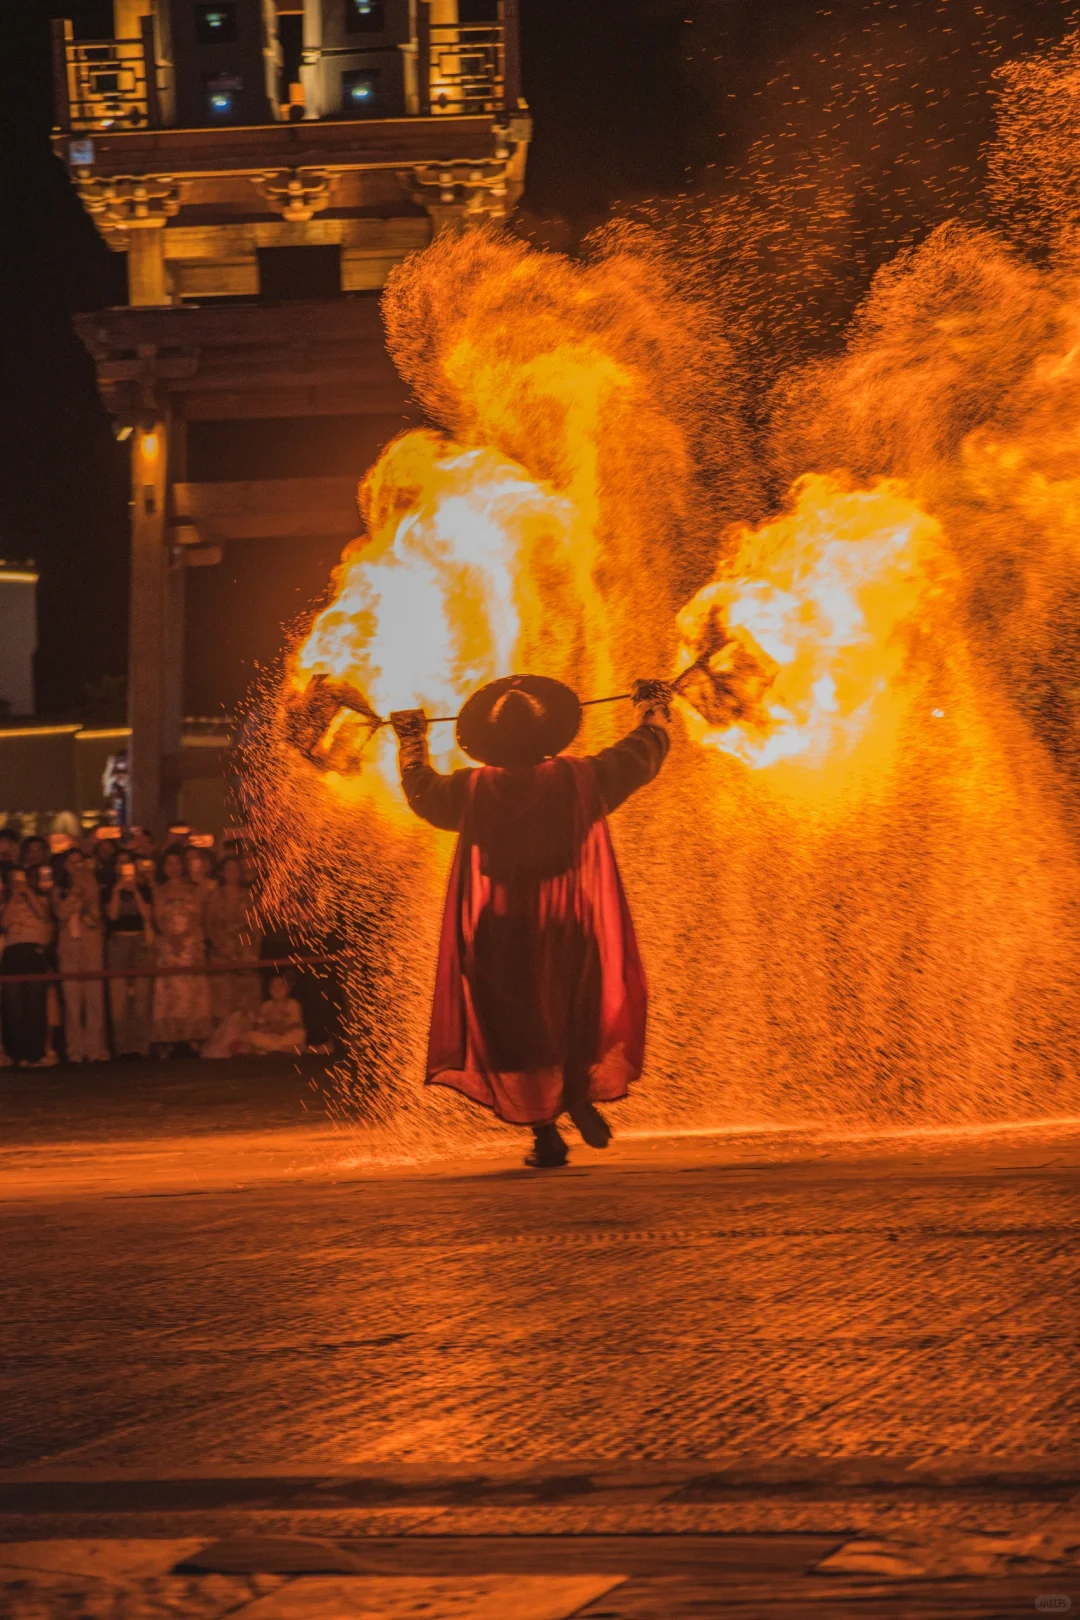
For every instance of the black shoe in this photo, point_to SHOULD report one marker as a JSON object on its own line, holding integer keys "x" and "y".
{"x": 594, "y": 1128}
{"x": 549, "y": 1150}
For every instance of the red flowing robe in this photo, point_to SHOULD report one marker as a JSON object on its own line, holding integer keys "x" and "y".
{"x": 540, "y": 996}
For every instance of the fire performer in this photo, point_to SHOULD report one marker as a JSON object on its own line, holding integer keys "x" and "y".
{"x": 540, "y": 995}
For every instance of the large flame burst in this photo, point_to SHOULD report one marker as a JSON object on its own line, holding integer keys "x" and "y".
{"x": 472, "y": 569}
{"x": 808, "y": 615}
{"x": 856, "y": 880}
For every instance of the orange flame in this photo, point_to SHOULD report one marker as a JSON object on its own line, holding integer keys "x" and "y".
{"x": 440, "y": 600}
{"x": 444, "y": 595}
{"x": 816, "y": 598}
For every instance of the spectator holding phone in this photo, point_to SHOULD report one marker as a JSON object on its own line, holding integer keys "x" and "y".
{"x": 26, "y": 924}
{"x": 106, "y": 853}
{"x": 9, "y": 852}
{"x": 34, "y": 852}
{"x": 129, "y": 943}
{"x": 181, "y": 1000}
{"x": 140, "y": 845}
{"x": 233, "y": 938}
{"x": 198, "y": 865}
{"x": 80, "y": 949}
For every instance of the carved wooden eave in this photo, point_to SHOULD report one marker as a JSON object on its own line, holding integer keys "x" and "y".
{"x": 470, "y": 189}
{"x": 120, "y": 203}
{"x": 297, "y": 194}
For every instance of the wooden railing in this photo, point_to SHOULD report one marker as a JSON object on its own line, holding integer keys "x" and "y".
{"x": 103, "y": 84}
{"x": 463, "y": 67}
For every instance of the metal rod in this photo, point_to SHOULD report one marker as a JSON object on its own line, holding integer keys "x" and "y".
{"x": 149, "y": 50}
{"x": 586, "y": 703}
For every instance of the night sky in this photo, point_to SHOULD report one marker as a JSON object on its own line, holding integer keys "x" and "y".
{"x": 659, "y": 108}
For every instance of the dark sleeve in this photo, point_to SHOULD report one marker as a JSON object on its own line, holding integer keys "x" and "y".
{"x": 629, "y": 764}
{"x": 433, "y": 797}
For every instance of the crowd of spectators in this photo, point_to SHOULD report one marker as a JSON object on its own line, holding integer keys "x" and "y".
{"x": 116, "y": 903}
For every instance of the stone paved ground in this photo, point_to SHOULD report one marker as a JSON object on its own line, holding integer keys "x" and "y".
{"x": 694, "y": 1378}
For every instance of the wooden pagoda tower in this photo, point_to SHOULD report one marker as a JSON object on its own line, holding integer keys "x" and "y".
{"x": 263, "y": 166}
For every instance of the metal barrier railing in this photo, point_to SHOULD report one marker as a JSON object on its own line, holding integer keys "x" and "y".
{"x": 203, "y": 970}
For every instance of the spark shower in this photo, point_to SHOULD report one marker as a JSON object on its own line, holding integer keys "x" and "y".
{"x": 856, "y": 881}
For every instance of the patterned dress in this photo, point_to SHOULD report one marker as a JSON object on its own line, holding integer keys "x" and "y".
{"x": 232, "y": 939}
{"x": 181, "y": 1003}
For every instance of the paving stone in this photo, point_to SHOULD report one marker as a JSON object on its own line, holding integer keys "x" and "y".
{"x": 1049, "y": 1550}
{"x": 403, "y": 1597}
{"x": 398, "y": 1321}
{"x": 283, "y": 1555}
{"x": 114, "y": 1559}
{"x": 684, "y": 1598}
{"x": 527, "y": 1555}
{"x": 207, "y": 1525}
{"x": 43, "y": 1596}
{"x": 867, "y": 1346}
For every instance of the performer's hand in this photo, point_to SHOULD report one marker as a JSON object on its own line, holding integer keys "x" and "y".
{"x": 409, "y": 724}
{"x": 652, "y": 700}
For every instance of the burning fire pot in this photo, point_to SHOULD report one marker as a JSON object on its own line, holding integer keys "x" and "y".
{"x": 332, "y": 724}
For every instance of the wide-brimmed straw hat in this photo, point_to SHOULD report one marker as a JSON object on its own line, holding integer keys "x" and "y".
{"x": 519, "y": 720}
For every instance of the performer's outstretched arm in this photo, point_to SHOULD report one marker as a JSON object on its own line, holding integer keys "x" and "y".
{"x": 435, "y": 798}
{"x": 629, "y": 764}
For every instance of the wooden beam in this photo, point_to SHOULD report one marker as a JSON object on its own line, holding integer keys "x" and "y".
{"x": 149, "y": 630}
{"x": 312, "y": 400}
{"x": 360, "y": 272}
{"x": 355, "y": 143}
{"x": 271, "y": 508}
{"x": 247, "y": 360}
{"x": 276, "y": 375}
{"x": 366, "y": 272}
{"x": 391, "y": 238}
{"x": 335, "y": 324}
{"x": 153, "y": 100}
{"x": 60, "y": 29}
{"x": 423, "y": 55}
{"x": 225, "y": 279}
{"x": 508, "y": 10}
{"x": 147, "y": 284}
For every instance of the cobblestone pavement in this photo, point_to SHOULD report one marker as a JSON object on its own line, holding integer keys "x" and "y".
{"x": 705, "y": 1378}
